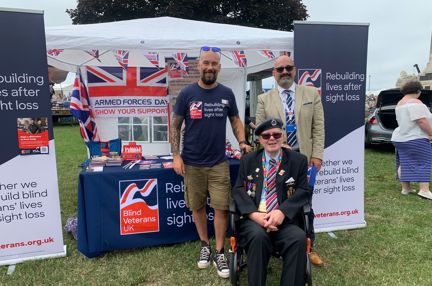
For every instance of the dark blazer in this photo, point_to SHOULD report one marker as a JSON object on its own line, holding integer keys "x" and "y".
{"x": 291, "y": 183}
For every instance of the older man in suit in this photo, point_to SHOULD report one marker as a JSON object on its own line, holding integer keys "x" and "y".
{"x": 270, "y": 191}
{"x": 301, "y": 111}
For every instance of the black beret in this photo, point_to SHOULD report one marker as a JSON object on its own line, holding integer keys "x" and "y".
{"x": 268, "y": 124}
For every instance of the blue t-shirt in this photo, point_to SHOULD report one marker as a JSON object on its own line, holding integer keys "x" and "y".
{"x": 205, "y": 112}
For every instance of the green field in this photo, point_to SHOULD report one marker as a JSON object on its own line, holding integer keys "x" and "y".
{"x": 393, "y": 249}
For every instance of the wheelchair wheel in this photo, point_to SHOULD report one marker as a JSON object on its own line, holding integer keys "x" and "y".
{"x": 234, "y": 268}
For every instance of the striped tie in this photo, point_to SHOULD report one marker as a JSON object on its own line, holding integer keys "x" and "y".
{"x": 291, "y": 135}
{"x": 271, "y": 195}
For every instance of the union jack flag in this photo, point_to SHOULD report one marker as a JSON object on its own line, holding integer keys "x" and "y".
{"x": 153, "y": 57}
{"x": 94, "y": 53}
{"x": 182, "y": 63}
{"x": 239, "y": 58}
{"x": 81, "y": 109}
{"x": 284, "y": 53}
{"x": 310, "y": 77}
{"x": 54, "y": 52}
{"x": 122, "y": 58}
{"x": 267, "y": 54}
{"x": 135, "y": 81}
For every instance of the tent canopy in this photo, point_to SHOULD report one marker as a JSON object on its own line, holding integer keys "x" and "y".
{"x": 70, "y": 47}
{"x": 165, "y": 35}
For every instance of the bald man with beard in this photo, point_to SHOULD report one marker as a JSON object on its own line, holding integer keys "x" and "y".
{"x": 204, "y": 108}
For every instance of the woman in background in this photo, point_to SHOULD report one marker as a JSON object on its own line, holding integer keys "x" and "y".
{"x": 411, "y": 139}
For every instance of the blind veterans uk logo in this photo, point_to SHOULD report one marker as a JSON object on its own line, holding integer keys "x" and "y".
{"x": 139, "y": 208}
{"x": 310, "y": 77}
{"x": 195, "y": 110}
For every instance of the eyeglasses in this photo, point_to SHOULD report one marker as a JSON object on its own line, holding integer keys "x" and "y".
{"x": 281, "y": 69}
{"x": 266, "y": 136}
{"x": 213, "y": 49}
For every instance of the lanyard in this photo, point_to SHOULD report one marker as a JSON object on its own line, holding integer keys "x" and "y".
{"x": 265, "y": 185}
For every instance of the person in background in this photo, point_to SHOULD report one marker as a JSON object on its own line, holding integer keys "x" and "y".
{"x": 270, "y": 192}
{"x": 204, "y": 107}
{"x": 412, "y": 140}
{"x": 301, "y": 111}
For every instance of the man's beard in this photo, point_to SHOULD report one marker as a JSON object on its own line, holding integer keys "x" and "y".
{"x": 209, "y": 80}
{"x": 286, "y": 81}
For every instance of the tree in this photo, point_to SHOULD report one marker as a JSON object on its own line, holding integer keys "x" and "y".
{"x": 270, "y": 14}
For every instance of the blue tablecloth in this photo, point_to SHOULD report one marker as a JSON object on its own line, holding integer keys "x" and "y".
{"x": 123, "y": 209}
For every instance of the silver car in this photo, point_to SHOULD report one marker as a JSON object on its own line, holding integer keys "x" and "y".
{"x": 381, "y": 123}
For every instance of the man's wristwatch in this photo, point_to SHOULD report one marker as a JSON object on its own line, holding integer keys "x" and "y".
{"x": 243, "y": 142}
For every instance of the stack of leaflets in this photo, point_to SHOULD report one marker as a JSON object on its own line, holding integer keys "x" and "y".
{"x": 98, "y": 161}
{"x": 155, "y": 166}
{"x": 144, "y": 167}
{"x": 151, "y": 157}
{"x": 114, "y": 161}
{"x": 168, "y": 164}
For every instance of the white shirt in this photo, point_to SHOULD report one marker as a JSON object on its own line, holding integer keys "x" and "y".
{"x": 406, "y": 116}
{"x": 283, "y": 98}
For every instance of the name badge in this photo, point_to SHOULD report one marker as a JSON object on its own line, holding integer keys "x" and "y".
{"x": 291, "y": 128}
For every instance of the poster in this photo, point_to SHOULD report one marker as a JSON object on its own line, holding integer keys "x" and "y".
{"x": 127, "y": 92}
{"x": 332, "y": 57}
{"x": 30, "y": 222}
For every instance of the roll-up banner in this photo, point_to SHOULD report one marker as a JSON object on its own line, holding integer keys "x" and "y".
{"x": 332, "y": 57}
{"x": 30, "y": 223}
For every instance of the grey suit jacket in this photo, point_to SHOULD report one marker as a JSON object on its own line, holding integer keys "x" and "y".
{"x": 309, "y": 116}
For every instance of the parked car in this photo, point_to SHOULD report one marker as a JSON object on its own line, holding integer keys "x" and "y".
{"x": 381, "y": 123}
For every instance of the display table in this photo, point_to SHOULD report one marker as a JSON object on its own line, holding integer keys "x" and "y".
{"x": 123, "y": 209}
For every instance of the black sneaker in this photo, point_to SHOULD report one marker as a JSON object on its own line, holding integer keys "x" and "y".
{"x": 204, "y": 257}
{"x": 221, "y": 264}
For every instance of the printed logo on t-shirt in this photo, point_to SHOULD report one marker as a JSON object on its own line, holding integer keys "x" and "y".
{"x": 195, "y": 110}
{"x": 225, "y": 102}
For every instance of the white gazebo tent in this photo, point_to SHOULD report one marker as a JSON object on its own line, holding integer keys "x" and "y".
{"x": 166, "y": 36}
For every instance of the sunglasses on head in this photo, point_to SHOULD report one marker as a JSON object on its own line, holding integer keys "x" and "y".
{"x": 213, "y": 49}
{"x": 266, "y": 136}
{"x": 281, "y": 69}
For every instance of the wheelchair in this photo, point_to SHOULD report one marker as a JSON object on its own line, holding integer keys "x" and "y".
{"x": 237, "y": 255}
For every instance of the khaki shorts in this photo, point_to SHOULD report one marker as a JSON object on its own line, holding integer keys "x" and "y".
{"x": 201, "y": 181}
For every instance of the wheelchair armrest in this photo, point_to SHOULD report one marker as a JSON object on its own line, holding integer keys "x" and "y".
{"x": 232, "y": 206}
{"x": 307, "y": 209}
{"x": 232, "y": 215}
{"x": 306, "y": 213}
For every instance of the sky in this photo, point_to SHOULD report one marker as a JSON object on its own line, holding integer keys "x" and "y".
{"x": 399, "y": 31}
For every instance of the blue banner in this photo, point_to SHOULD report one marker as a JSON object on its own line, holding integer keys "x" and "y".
{"x": 30, "y": 223}
{"x": 332, "y": 57}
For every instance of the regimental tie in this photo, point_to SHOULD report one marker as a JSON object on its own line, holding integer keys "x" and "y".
{"x": 271, "y": 195}
{"x": 291, "y": 134}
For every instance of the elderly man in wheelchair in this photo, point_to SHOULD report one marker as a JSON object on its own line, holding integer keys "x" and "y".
{"x": 269, "y": 196}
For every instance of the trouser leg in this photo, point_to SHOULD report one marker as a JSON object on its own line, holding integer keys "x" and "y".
{"x": 258, "y": 247}
{"x": 290, "y": 242}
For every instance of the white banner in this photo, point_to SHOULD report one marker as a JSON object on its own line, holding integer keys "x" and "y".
{"x": 339, "y": 187}
{"x": 338, "y": 200}
{"x": 30, "y": 223}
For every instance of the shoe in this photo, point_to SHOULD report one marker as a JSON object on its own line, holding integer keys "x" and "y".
{"x": 204, "y": 257}
{"x": 221, "y": 264}
{"x": 315, "y": 259}
{"x": 425, "y": 194}
{"x": 407, "y": 192}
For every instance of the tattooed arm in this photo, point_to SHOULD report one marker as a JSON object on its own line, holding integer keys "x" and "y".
{"x": 175, "y": 129}
{"x": 239, "y": 133}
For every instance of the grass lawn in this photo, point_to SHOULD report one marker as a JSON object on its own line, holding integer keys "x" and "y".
{"x": 393, "y": 249}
